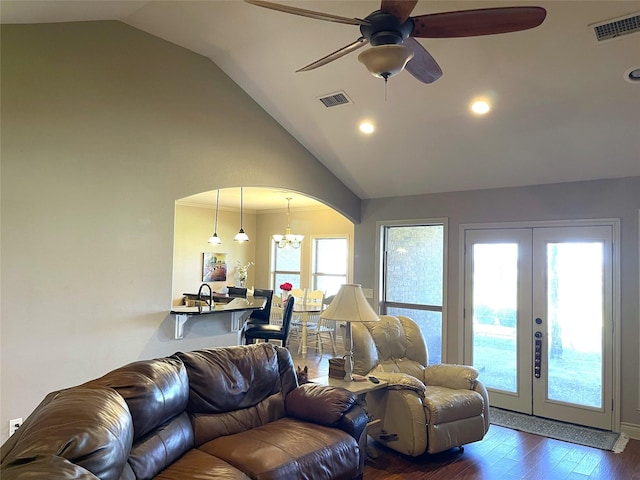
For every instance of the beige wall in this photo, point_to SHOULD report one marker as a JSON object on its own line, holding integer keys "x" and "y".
{"x": 103, "y": 129}
{"x": 617, "y": 198}
{"x": 307, "y": 222}
{"x": 194, "y": 226}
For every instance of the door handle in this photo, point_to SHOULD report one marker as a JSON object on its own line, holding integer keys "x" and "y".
{"x": 537, "y": 356}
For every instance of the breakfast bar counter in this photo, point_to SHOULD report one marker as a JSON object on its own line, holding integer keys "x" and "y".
{"x": 235, "y": 311}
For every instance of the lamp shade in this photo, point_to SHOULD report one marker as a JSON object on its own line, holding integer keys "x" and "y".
{"x": 385, "y": 61}
{"x": 215, "y": 239}
{"x": 350, "y": 305}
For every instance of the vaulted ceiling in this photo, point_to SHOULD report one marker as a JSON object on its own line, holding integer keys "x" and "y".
{"x": 561, "y": 107}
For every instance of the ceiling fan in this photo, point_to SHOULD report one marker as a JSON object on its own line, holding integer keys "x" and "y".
{"x": 391, "y": 32}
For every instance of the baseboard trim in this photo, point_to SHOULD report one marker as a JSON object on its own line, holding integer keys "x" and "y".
{"x": 631, "y": 430}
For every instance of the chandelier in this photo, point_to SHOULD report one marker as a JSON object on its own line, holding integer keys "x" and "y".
{"x": 288, "y": 239}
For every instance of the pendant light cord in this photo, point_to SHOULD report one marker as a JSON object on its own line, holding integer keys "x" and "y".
{"x": 215, "y": 230}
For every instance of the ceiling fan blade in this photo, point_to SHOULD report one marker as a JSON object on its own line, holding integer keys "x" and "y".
{"x": 308, "y": 13}
{"x": 422, "y": 66}
{"x": 471, "y": 23}
{"x": 361, "y": 42}
{"x": 401, "y": 9}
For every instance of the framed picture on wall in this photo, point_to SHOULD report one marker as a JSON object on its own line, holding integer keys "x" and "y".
{"x": 214, "y": 267}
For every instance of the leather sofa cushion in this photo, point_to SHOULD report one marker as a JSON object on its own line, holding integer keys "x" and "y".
{"x": 289, "y": 448}
{"x": 231, "y": 378}
{"x": 319, "y": 403}
{"x": 198, "y": 464}
{"x": 155, "y": 391}
{"x": 88, "y": 426}
{"x": 443, "y": 405}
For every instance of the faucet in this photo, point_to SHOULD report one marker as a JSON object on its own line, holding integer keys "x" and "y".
{"x": 210, "y": 294}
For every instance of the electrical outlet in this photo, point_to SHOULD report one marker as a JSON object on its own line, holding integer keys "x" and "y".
{"x": 14, "y": 424}
{"x": 368, "y": 292}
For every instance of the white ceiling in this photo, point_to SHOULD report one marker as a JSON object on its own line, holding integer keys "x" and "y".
{"x": 562, "y": 109}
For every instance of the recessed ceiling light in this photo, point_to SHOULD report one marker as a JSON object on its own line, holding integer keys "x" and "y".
{"x": 480, "y": 107}
{"x": 367, "y": 128}
{"x": 632, "y": 75}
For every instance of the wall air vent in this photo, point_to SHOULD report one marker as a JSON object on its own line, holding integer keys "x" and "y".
{"x": 616, "y": 28}
{"x": 335, "y": 99}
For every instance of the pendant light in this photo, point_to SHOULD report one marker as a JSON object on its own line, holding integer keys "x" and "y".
{"x": 288, "y": 239}
{"x": 241, "y": 236}
{"x": 214, "y": 239}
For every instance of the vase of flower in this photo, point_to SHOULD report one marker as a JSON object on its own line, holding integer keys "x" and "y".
{"x": 285, "y": 288}
{"x": 243, "y": 271}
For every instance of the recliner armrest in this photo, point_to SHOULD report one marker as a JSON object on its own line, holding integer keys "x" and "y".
{"x": 402, "y": 381}
{"x": 459, "y": 377}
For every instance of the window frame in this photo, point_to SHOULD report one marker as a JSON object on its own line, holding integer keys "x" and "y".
{"x": 313, "y": 274}
{"x": 382, "y": 228}
{"x": 275, "y": 272}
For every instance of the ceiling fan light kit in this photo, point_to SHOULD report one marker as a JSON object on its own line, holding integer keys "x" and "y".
{"x": 387, "y": 29}
{"x": 385, "y": 61}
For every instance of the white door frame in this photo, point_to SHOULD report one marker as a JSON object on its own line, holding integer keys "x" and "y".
{"x": 464, "y": 338}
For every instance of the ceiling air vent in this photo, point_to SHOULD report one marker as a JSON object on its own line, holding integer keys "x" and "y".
{"x": 335, "y": 99}
{"x": 616, "y": 28}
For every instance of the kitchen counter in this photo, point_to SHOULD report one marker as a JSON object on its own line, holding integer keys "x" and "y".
{"x": 235, "y": 311}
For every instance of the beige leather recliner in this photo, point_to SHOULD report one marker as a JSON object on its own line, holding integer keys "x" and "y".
{"x": 426, "y": 408}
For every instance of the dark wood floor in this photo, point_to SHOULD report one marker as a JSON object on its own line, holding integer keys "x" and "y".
{"x": 502, "y": 454}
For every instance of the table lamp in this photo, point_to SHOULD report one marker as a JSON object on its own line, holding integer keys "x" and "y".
{"x": 348, "y": 306}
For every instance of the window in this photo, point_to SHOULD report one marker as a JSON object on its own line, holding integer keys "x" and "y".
{"x": 413, "y": 278}
{"x": 286, "y": 265}
{"x": 330, "y": 264}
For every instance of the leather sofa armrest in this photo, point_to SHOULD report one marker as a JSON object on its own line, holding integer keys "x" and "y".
{"x": 45, "y": 466}
{"x": 319, "y": 404}
{"x": 457, "y": 377}
{"x": 326, "y": 405}
{"x": 354, "y": 421}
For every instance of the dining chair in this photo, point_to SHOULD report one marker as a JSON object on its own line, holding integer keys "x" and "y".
{"x": 236, "y": 292}
{"x": 261, "y": 316}
{"x": 272, "y": 332}
{"x": 277, "y": 310}
{"x": 299, "y": 294}
{"x": 338, "y": 327}
{"x": 313, "y": 300}
{"x": 323, "y": 332}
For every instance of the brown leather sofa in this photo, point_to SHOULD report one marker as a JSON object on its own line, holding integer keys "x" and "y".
{"x": 221, "y": 413}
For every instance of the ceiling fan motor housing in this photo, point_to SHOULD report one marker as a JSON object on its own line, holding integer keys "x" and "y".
{"x": 385, "y": 29}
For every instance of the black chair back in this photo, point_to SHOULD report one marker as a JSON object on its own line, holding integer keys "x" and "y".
{"x": 237, "y": 292}
{"x": 262, "y": 316}
{"x": 286, "y": 320}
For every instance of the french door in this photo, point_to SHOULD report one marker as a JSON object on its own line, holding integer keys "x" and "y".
{"x": 539, "y": 312}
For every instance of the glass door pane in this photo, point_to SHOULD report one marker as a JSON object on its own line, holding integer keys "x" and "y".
{"x": 572, "y": 310}
{"x": 495, "y": 303}
{"x": 575, "y": 306}
{"x": 497, "y": 309}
